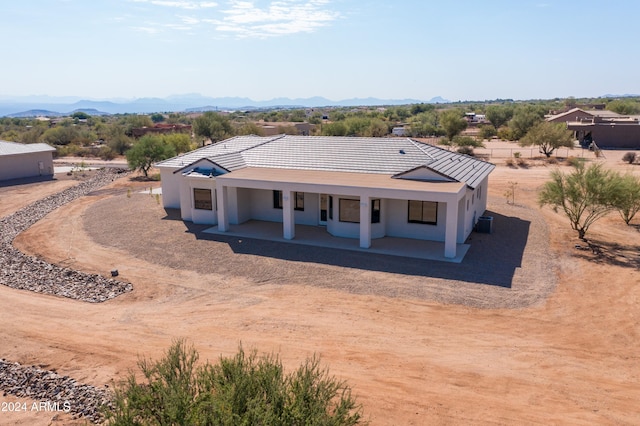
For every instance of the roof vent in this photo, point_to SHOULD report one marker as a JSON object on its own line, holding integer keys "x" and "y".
{"x": 401, "y": 151}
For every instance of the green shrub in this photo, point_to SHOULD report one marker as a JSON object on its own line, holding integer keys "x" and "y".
{"x": 575, "y": 161}
{"x": 629, "y": 157}
{"x": 245, "y": 389}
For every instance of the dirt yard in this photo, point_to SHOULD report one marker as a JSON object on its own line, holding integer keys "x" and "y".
{"x": 548, "y": 336}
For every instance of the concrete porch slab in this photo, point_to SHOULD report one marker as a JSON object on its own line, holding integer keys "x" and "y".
{"x": 318, "y": 236}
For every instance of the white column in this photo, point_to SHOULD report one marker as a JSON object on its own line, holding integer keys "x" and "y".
{"x": 365, "y": 222}
{"x": 288, "y": 221}
{"x": 222, "y": 200}
{"x": 451, "y": 230}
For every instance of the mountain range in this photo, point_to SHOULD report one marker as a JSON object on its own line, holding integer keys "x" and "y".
{"x": 30, "y": 106}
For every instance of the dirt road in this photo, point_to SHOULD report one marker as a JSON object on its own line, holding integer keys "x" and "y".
{"x": 570, "y": 358}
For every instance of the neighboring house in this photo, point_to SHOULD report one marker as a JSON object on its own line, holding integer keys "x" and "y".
{"x": 606, "y": 128}
{"x": 362, "y": 188}
{"x": 398, "y": 131}
{"x": 161, "y": 129}
{"x": 276, "y": 128}
{"x": 18, "y": 160}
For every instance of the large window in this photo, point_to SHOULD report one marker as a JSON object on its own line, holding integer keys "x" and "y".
{"x": 423, "y": 212}
{"x": 202, "y": 199}
{"x": 349, "y": 210}
{"x": 298, "y": 199}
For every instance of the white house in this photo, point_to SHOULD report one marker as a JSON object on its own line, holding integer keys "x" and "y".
{"x": 363, "y": 188}
{"x": 18, "y": 160}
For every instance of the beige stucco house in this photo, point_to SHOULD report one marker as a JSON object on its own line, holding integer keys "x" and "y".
{"x": 362, "y": 188}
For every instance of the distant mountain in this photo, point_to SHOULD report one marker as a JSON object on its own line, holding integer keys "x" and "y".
{"x": 35, "y": 113}
{"x": 50, "y": 106}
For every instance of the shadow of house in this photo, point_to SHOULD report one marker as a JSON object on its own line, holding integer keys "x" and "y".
{"x": 493, "y": 259}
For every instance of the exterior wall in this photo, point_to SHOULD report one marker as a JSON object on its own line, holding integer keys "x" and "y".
{"x": 616, "y": 136}
{"x": 26, "y": 165}
{"x": 262, "y": 208}
{"x": 187, "y": 205}
{"x": 349, "y": 229}
{"x": 243, "y": 197}
{"x": 397, "y": 222}
{"x": 170, "y": 188}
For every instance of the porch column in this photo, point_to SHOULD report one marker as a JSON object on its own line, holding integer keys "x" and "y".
{"x": 222, "y": 201}
{"x": 288, "y": 220}
{"x": 365, "y": 222}
{"x": 451, "y": 230}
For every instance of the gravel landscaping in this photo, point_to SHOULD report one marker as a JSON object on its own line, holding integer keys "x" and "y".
{"x": 30, "y": 273}
{"x": 57, "y": 393}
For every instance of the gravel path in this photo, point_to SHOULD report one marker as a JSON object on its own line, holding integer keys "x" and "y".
{"x": 30, "y": 273}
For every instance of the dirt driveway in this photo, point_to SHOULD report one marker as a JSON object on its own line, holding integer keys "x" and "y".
{"x": 417, "y": 349}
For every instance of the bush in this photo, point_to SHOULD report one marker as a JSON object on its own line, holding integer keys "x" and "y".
{"x": 552, "y": 160}
{"x": 244, "y": 389}
{"x": 510, "y": 162}
{"x": 629, "y": 157}
{"x": 575, "y": 161}
{"x": 466, "y": 150}
{"x": 106, "y": 153}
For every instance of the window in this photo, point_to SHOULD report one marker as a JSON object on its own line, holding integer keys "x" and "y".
{"x": 298, "y": 199}
{"x": 349, "y": 210}
{"x": 202, "y": 199}
{"x": 375, "y": 211}
{"x": 423, "y": 212}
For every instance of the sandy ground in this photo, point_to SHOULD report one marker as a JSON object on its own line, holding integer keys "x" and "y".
{"x": 567, "y": 356}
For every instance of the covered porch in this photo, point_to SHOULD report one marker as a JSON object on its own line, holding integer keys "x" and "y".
{"x": 317, "y": 236}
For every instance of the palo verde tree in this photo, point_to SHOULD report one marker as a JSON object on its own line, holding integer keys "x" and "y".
{"x": 148, "y": 150}
{"x": 548, "y": 137}
{"x": 628, "y": 203}
{"x": 245, "y": 389}
{"x": 585, "y": 195}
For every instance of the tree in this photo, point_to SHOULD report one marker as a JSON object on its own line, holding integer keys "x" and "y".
{"x": 241, "y": 390}
{"x": 453, "y": 122}
{"x": 585, "y": 195}
{"x": 524, "y": 119}
{"x": 148, "y": 150}
{"x": 548, "y": 137}
{"x": 181, "y": 142}
{"x": 499, "y": 115}
{"x": 624, "y": 107}
{"x": 157, "y": 117}
{"x": 628, "y": 203}
{"x": 212, "y": 125}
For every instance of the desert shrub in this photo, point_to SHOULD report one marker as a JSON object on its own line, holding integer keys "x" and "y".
{"x": 467, "y": 150}
{"x": 575, "y": 161}
{"x": 517, "y": 155}
{"x": 505, "y": 133}
{"x": 487, "y": 132}
{"x": 106, "y": 153}
{"x": 552, "y": 160}
{"x": 522, "y": 162}
{"x": 629, "y": 157}
{"x": 245, "y": 389}
{"x": 510, "y": 162}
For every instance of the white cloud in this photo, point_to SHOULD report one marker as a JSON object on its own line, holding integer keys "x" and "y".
{"x": 248, "y": 18}
{"x": 181, "y": 4}
{"x": 277, "y": 18}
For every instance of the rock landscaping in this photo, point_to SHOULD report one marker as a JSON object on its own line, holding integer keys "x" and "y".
{"x": 52, "y": 392}
{"x": 30, "y": 273}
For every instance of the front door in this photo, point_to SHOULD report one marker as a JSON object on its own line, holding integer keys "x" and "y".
{"x": 323, "y": 209}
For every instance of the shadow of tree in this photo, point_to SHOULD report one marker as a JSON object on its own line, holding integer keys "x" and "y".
{"x": 610, "y": 253}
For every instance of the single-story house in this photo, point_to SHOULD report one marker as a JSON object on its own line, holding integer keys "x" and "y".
{"x": 18, "y": 160}
{"x": 612, "y": 133}
{"x": 362, "y": 188}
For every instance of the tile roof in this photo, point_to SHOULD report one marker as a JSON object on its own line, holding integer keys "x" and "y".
{"x": 389, "y": 156}
{"x": 14, "y": 148}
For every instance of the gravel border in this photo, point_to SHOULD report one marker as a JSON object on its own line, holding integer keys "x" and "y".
{"x": 24, "y": 272}
{"x": 57, "y": 393}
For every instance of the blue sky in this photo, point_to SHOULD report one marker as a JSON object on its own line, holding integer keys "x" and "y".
{"x": 338, "y": 49}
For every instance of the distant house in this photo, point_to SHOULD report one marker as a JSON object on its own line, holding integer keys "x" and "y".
{"x": 161, "y": 129}
{"x": 275, "y": 128}
{"x": 606, "y": 128}
{"x": 361, "y": 188}
{"x": 19, "y": 160}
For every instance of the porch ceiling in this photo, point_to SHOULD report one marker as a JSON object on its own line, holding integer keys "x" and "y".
{"x": 340, "y": 183}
